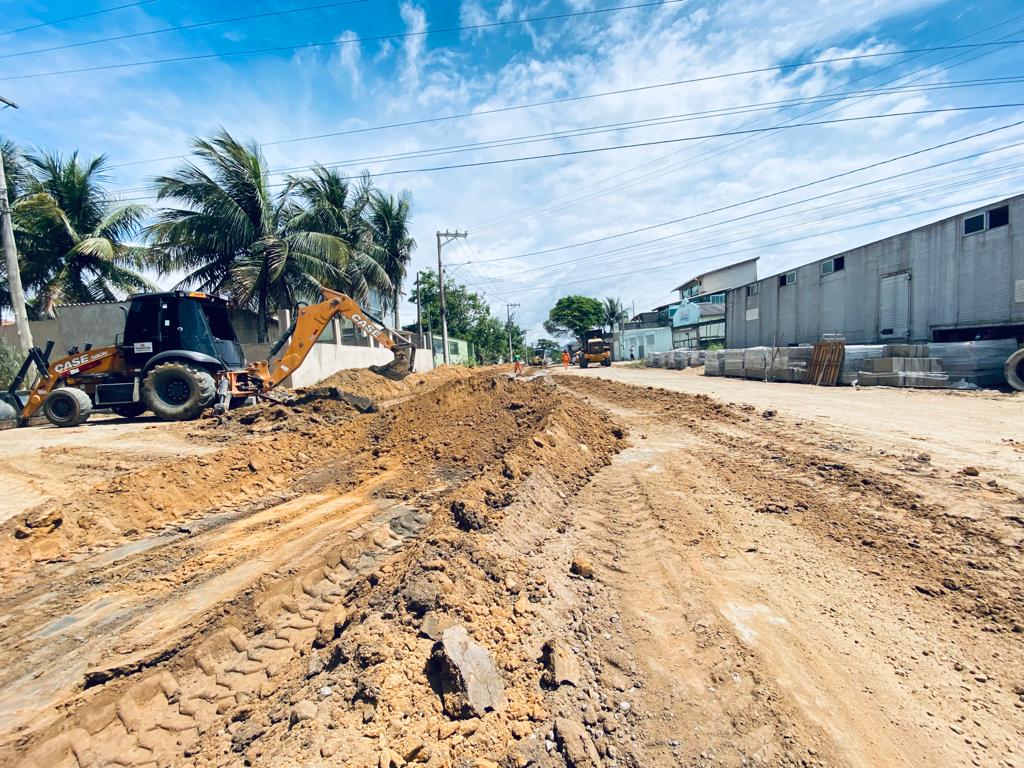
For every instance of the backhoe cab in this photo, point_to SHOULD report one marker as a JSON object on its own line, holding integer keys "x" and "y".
{"x": 177, "y": 356}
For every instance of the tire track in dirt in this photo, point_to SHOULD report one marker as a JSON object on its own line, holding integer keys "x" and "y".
{"x": 859, "y": 666}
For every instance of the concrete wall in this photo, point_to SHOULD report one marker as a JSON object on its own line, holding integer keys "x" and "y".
{"x": 952, "y": 279}
{"x": 725, "y": 278}
{"x": 646, "y": 339}
{"x": 76, "y": 325}
{"x": 327, "y": 359}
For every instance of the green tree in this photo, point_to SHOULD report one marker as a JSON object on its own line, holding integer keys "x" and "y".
{"x": 614, "y": 313}
{"x": 330, "y": 204}
{"x": 234, "y": 235}
{"x": 574, "y": 316}
{"x": 548, "y": 347}
{"x": 15, "y": 169}
{"x": 469, "y": 318}
{"x": 388, "y": 219}
{"x": 74, "y": 240}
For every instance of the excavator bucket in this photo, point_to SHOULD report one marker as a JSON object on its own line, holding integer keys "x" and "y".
{"x": 401, "y": 366}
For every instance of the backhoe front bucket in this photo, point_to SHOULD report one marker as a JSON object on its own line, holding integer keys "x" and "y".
{"x": 401, "y": 366}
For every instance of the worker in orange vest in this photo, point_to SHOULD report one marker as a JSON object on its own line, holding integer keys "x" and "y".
{"x": 565, "y": 358}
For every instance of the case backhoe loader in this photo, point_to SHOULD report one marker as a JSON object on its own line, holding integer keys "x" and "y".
{"x": 179, "y": 355}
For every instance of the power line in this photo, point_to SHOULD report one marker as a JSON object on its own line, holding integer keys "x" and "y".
{"x": 332, "y": 43}
{"x": 661, "y": 170}
{"x": 182, "y": 27}
{"x": 770, "y": 194}
{"x": 674, "y": 264}
{"x": 651, "y": 122}
{"x": 75, "y": 18}
{"x": 658, "y": 142}
{"x": 926, "y": 185}
{"x": 572, "y": 132}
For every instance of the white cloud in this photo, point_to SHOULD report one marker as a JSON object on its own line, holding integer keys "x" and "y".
{"x": 415, "y": 19}
{"x": 349, "y": 59}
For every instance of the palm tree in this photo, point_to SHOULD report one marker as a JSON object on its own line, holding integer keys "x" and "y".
{"x": 614, "y": 313}
{"x": 234, "y": 235}
{"x": 15, "y": 171}
{"x": 332, "y": 205}
{"x": 74, "y": 239}
{"x": 389, "y": 222}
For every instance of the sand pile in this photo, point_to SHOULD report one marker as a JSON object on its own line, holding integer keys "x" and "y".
{"x": 365, "y": 383}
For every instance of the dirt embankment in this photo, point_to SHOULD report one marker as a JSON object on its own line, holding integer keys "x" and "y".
{"x": 267, "y": 681}
{"x": 264, "y": 448}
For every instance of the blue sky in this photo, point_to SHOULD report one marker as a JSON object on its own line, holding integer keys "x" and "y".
{"x": 522, "y": 215}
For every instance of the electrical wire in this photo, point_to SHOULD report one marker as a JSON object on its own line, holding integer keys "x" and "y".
{"x": 76, "y": 18}
{"x": 334, "y": 43}
{"x": 658, "y": 142}
{"x": 661, "y": 170}
{"x": 776, "y": 193}
{"x": 182, "y": 27}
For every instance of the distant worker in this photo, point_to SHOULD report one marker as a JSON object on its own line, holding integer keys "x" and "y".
{"x": 518, "y": 364}
{"x": 565, "y": 358}
{"x": 631, "y": 355}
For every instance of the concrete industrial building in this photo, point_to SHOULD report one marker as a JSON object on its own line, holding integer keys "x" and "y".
{"x": 956, "y": 279}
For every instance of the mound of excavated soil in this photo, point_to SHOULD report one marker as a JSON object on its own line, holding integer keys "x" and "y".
{"x": 267, "y": 445}
{"x": 365, "y": 383}
{"x": 346, "y": 671}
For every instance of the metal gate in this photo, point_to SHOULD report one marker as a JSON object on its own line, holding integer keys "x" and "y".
{"x": 894, "y": 307}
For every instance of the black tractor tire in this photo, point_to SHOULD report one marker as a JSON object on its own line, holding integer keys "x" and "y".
{"x": 176, "y": 391}
{"x": 1015, "y": 370}
{"x": 607, "y": 362}
{"x": 67, "y": 407}
{"x": 584, "y": 363}
{"x": 129, "y": 410}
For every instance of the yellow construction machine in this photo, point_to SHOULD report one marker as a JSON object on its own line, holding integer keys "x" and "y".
{"x": 179, "y": 355}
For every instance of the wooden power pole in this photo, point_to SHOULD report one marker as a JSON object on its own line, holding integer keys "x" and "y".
{"x": 11, "y": 256}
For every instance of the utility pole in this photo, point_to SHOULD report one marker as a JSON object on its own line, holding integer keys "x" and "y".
{"x": 448, "y": 237}
{"x": 508, "y": 326}
{"x": 419, "y": 312}
{"x": 11, "y": 255}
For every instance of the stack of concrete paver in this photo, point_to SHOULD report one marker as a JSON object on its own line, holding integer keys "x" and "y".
{"x": 679, "y": 358}
{"x": 855, "y": 360}
{"x": 697, "y": 357}
{"x": 903, "y": 365}
{"x": 790, "y": 364}
{"x": 714, "y": 363}
{"x": 974, "y": 363}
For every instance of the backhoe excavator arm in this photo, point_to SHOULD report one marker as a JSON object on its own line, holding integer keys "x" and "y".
{"x": 294, "y": 346}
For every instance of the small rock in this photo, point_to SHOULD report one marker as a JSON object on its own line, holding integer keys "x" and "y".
{"x": 316, "y": 665}
{"x": 304, "y": 710}
{"x": 582, "y": 567}
{"x": 970, "y": 471}
{"x": 330, "y": 626}
{"x": 470, "y": 682}
{"x": 576, "y": 744}
{"x": 561, "y": 665}
{"x": 246, "y": 734}
{"x": 769, "y": 413}
{"x": 434, "y": 624}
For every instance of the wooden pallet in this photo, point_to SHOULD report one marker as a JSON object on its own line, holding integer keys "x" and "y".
{"x": 826, "y": 363}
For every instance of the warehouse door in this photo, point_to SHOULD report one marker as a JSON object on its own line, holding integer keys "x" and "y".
{"x": 894, "y": 307}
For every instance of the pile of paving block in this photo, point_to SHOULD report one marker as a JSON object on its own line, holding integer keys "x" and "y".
{"x": 676, "y": 358}
{"x": 960, "y": 365}
{"x": 902, "y": 365}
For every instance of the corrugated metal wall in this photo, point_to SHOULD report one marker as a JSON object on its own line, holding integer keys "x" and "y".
{"x": 955, "y": 280}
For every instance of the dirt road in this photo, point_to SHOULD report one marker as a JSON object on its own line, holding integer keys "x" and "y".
{"x": 641, "y": 578}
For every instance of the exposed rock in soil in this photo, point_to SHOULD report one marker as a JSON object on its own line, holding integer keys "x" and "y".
{"x": 470, "y": 684}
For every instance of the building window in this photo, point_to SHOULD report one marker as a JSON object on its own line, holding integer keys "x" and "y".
{"x": 999, "y": 217}
{"x": 693, "y": 290}
{"x": 787, "y": 279}
{"x": 718, "y": 298}
{"x": 453, "y": 347}
{"x": 833, "y": 265}
{"x": 753, "y": 288}
{"x": 974, "y": 224}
